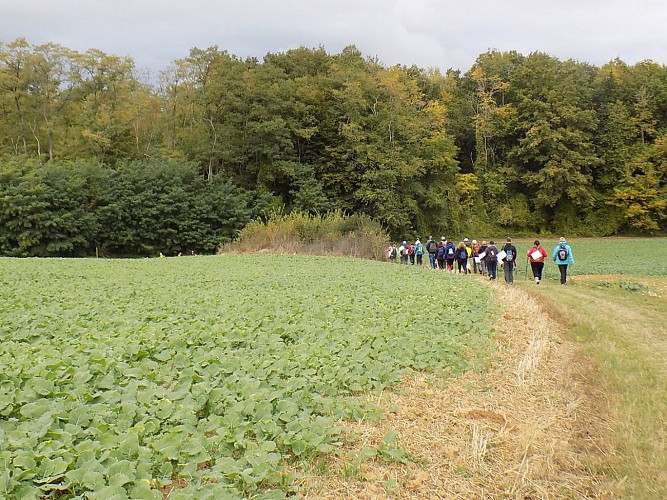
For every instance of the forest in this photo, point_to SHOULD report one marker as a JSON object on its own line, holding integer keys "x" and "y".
{"x": 95, "y": 156}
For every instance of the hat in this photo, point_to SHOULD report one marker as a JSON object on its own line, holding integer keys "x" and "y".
{"x": 465, "y": 240}
{"x": 405, "y": 242}
{"x": 562, "y": 239}
{"x": 417, "y": 242}
{"x": 508, "y": 239}
{"x": 474, "y": 242}
{"x": 443, "y": 239}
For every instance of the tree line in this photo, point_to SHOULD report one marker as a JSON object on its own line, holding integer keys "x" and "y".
{"x": 521, "y": 143}
{"x": 83, "y": 208}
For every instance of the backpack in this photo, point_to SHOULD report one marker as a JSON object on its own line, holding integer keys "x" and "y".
{"x": 510, "y": 255}
{"x": 440, "y": 253}
{"x": 463, "y": 254}
{"x": 450, "y": 252}
{"x": 411, "y": 250}
{"x": 562, "y": 253}
{"x": 431, "y": 247}
{"x": 492, "y": 254}
{"x": 392, "y": 253}
{"x": 419, "y": 249}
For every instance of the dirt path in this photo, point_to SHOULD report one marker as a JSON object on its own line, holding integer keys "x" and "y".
{"x": 527, "y": 428}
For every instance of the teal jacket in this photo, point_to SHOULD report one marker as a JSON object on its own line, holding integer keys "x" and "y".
{"x": 557, "y": 259}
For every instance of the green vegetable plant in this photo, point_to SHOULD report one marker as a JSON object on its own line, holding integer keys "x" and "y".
{"x": 205, "y": 376}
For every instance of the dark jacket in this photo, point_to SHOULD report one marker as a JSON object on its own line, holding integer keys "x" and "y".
{"x": 489, "y": 250}
{"x": 440, "y": 253}
{"x": 511, "y": 252}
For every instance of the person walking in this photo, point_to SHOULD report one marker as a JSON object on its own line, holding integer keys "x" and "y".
{"x": 431, "y": 248}
{"x": 411, "y": 254}
{"x": 469, "y": 250}
{"x": 509, "y": 261}
{"x": 562, "y": 255}
{"x": 440, "y": 255}
{"x": 392, "y": 253}
{"x": 419, "y": 252}
{"x": 491, "y": 259}
{"x": 462, "y": 258}
{"x": 482, "y": 257}
{"x": 475, "y": 257}
{"x": 403, "y": 253}
{"x": 450, "y": 255}
{"x": 536, "y": 255}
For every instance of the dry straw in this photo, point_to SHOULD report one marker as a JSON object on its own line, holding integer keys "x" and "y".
{"x": 521, "y": 430}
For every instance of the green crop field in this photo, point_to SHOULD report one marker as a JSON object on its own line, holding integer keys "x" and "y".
{"x": 122, "y": 377}
{"x": 620, "y": 256}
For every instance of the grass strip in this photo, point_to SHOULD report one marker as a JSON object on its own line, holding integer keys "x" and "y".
{"x": 624, "y": 332}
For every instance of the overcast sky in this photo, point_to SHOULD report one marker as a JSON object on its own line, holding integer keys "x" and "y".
{"x": 429, "y": 33}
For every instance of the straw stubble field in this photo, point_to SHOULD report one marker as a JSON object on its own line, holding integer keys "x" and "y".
{"x": 526, "y": 428}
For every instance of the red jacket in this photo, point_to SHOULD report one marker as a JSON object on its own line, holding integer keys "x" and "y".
{"x": 539, "y": 249}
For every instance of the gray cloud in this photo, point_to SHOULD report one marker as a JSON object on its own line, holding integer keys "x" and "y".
{"x": 429, "y": 33}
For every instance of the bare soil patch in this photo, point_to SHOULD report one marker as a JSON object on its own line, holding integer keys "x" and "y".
{"x": 529, "y": 427}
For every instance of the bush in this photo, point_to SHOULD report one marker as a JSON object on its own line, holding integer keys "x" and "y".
{"x": 331, "y": 234}
{"x": 140, "y": 208}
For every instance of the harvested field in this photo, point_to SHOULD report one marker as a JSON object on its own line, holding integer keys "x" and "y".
{"x": 526, "y": 428}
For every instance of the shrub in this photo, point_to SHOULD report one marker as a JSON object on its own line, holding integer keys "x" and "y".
{"x": 331, "y": 234}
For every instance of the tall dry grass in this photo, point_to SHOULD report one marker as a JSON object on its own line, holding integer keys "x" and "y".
{"x": 334, "y": 234}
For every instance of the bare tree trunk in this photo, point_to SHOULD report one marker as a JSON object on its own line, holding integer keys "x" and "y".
{"x": 21, "y": 124}
{"x": 214, "y": 143}
{"x": 49, "y": 132}
{"x": 33, "y": 129}
{"x": 51, "y": 155}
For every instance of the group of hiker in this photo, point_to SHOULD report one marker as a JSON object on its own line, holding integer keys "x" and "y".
{"x": 471, "y": 257}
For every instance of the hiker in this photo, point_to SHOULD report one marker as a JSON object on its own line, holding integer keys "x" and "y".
{"x": 419, "y": 252}
{"x": 431, "y": 248}
{"x": 466, "y": 241}
{"x": 450, "y": 255}
{"x": 462, "y": 258}
{"x": 536, "y": 255}
{"x": 403, "y": 252}
{"x": 562, "y": 256}
{"x": 440, "y": 255}
{"x": 482, "y": 257}
{"x": 392, "y": 253}
{"x": 476, "y": 268}
{"x": 509, "y": 261}
{"x": 491, "y": 260}
{"x": 411, "y": 254}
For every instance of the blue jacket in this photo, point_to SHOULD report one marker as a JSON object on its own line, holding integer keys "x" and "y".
{"x": 557, "y": 259}
{"x": 449, "y": 246}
